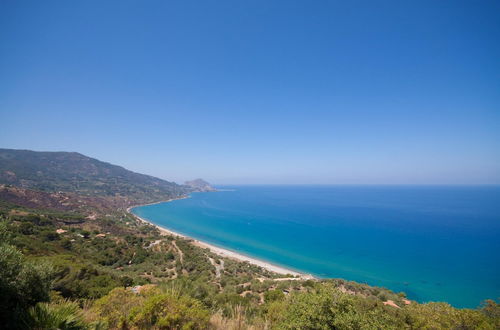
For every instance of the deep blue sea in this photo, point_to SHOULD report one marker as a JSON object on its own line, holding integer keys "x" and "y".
{"x": 436, "y": 243}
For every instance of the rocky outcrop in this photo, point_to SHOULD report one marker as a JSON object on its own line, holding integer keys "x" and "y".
{"x": 199, "y": 185}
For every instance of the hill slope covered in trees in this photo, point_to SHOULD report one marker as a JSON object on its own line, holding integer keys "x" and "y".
{"x": 74, "y": 259}
{"x": 74, "y": 172}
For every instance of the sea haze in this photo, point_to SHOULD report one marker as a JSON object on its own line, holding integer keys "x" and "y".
{"x": 436, "y": 243}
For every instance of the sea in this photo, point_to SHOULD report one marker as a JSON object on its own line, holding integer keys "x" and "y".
{"x": 435, "y": 243}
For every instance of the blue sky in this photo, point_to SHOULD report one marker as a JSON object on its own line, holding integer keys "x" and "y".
{"x": 258, "y": 91}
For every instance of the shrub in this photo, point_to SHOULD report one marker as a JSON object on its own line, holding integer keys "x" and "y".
{"x": 273, "y": 295}
{"x": 329, "y": 308}
{"x": 115, "y": 307}
{"x": 166, "y": 311}
{"x": 65, "y": 315}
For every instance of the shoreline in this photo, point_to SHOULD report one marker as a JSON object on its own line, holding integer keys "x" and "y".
{"x": 223, "y": 252}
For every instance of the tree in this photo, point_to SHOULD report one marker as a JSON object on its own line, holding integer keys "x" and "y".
{"x": 26, "y": 228}
{"x": 5, "y": 234}
{"x": 126, "y": 281}
{"x": 22, "y": 285}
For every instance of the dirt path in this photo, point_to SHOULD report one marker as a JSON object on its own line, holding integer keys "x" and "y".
{"x": 218, "y": 267}
{"x": 154, "y": 244}
{"x": 181, "y": 254}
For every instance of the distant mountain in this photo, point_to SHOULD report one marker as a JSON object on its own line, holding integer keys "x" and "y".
{"x": 199, "y": 185}
{"x": 74, "y": 172}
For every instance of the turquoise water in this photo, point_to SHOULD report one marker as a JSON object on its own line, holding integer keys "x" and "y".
{"x": 436, "y": 243}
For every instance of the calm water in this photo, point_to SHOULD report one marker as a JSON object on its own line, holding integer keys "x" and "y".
{"x": 436, "y": 243}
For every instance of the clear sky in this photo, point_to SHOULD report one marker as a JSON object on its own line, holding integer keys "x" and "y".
{"x": 258, "y": 91}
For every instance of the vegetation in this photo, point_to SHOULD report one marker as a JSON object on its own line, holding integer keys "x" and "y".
{"x": 75, "y": 262}
{"x": 74, "y": 172}
{"x": 131, "y": 277}
{"x": 59, "y": 315}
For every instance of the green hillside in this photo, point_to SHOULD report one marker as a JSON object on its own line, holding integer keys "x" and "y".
{"x": 74, "y": 172}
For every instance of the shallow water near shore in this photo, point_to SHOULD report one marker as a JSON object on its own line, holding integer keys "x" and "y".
{"x": 436, "y": 243}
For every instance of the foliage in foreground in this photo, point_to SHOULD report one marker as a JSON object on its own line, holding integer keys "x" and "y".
{"x": 151, "y": 308}
{"x": 329, "y": 308}
{"x": 23, "y": 283}
{"x": 133, "y": 278}
{"x": 63, "y": 315}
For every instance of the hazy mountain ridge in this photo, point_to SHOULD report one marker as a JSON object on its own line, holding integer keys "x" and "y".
{"x": 199, "y": 185}
{"x": 74, "y": 172}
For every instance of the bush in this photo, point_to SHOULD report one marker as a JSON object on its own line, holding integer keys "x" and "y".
{"x": 151, "y": 308}
{"x": 49, "y": 236}
{"x": 115, "y": 307}
{"x": 166, "y": 311}
{"x": 126, "y": 281}
{"x": 328, "y": 308}
{"x": 273, "y": 295}
{"x": 65, "y": 315}
{"x": 26, "y": 228}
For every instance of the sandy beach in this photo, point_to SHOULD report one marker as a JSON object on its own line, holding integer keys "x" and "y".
{"x": 221, "y": 251}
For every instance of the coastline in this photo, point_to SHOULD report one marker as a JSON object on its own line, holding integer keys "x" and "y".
{"x": 221, "y": 251}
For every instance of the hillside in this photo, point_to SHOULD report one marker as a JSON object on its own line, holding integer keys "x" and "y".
{"x": 112, "y": 271}
{"x": 60, "y": 201}
{"x": 74, "y": 172}
{"x": 72, "y": 257}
